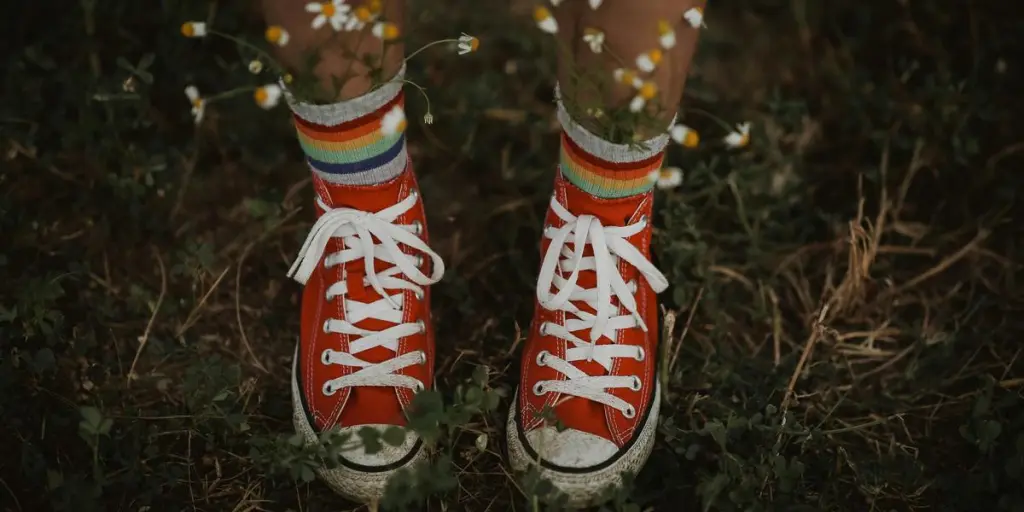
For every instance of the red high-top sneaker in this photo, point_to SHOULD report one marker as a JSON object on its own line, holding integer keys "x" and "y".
{"x": 590, "y": 354}
{"x": 367, "y": 343}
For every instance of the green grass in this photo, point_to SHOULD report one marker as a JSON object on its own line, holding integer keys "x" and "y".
{"x": 843, "y": 329}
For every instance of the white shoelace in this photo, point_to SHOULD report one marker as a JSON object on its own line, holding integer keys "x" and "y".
{"x": 610, "y": 247}
{"x": 357, "y": 230}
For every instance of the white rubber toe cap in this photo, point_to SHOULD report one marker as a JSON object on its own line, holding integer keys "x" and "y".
{"x": 570, "y": 448}
{"x": 387, "y": 456}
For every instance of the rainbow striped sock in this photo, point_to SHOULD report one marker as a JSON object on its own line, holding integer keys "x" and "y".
{"x": 344, "y": 143}
{"x": 605, "y": 169}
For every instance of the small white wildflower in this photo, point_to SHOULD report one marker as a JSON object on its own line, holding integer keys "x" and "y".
{"x": 667, "y": 178}
{"x": 594, "y": 38}
{"x": 393, "y": 122}
{"x": 594, "y": 4}
{"x": 740, "y": 137}
{"x": 646, "y": 62}
{"x": 428, "y": 118}
{"x": 556, "y": 3}
{"x": 627, "y": 77}
{"x": 684, "y": 135}
{"x": 545, "y": 21}
{"x": 695, "y": 17}
{"x": 360, "y": 17}
{"x": 276, "y": 35}
{"x": 666, "y": 35}
{"x": 646, "y": 92}
{"x": 198, "y": 103}
{"x": 468, "y": 44}
{"x": 193, "y": 29}
{"x": 255, "y": 66}
{"x": 334, "y": 12}
{"x": 385, "y": 31}
{"x": 268, "y": 96}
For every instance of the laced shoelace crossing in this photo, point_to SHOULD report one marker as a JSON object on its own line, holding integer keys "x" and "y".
{"x": 566, "y": 255}
{"x": 357, "y": 229}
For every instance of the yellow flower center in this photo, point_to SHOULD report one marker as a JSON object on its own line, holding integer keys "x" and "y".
{"x": 628, "y": 77}
{"x": 261, "y": 95}
{"x": 691, "y": 139}
{"x": 664, "y": 27}
{"x": 655, "y": 56}
{"x": 376, "y": 6}
{"x": 273, "y": 33}
{"x": 648, "y": 90}
{"x": 541, "y": 13}
{"x": 474, "y": 43}
{"x": 327, "y": 8}
{"x": 745, "y": 139}
{"x": 665, "y": 174}
{"x": 592, "y": 32}
{"x": 363, "y": 14}
{"x": 188, "y": 30}
{"x": 197, "y": 103}
{"x": 389, "y": 32}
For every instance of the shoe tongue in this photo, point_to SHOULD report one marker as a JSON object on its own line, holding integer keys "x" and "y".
{"x": 368, "y": 198}
{"x": 611, "y": 212}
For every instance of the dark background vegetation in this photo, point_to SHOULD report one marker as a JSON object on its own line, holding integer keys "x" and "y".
{"x": 844, "y": 325}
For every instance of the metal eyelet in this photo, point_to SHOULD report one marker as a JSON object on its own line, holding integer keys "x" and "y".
{"x": 419, "y": 387}
{"x": 632, "y": 286}
{"x": 630, "y": 412}
{"x": 328, "y": 389}
{"x": 542, "y": 357}
{"x": 325, "y": 356}
{"x": 636, "y": 384}
{"x": 423, "y": 358}
{"x": 418, "y": 294}
{"x": 641, "y": 355}
{"x": 419, "y": 260}
{"x": 414, "y": 193}
{"x": 543, "y": 330}
{"x": 417, "y": 228}
{"x": 538, "y": 389}
{"x": 422, "y": 325}
{"x": 326, "y": 324}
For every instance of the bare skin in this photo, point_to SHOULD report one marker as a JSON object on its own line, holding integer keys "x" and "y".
{"x": 630, "y": 28}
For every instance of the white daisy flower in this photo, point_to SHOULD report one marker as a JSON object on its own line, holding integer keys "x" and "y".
{"x": 646, "y": 92}
{"x": 667, "y": 177}
{"x": 646, "y": 62}
{"x": 594, "y": 4}
{"x": 695, "y": 17}
{"x": 334, "y": 12}
{"x": 627, "y": 77}
{"x": 385, "y": 31}
{"x": 255, "y": 66}
{"x": 684, "y": 135}
{"x": 276, "y": 35}
{"x": 468, "y": 44}
{"x": 393, "y": 122}
{"x": 198, "y": 103}
{"x": 740, "y": 137}
{"x": 594, "y": 38}
{"x": 666, "y": 36}
{"x": 545, "y": 21}
{"x": 428, "y": 118}
{"x": 267, "y": 96}
{"x": 193, "y": 29}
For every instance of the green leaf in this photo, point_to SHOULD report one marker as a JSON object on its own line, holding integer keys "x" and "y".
{"x": 394, "y": 436}
{"x": 370, "y": 438}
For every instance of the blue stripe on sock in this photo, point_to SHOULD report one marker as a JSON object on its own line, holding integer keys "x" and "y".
{"x": 365, "y": 165}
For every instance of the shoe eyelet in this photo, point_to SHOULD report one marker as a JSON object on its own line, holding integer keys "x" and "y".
{"x": 422, "y": 325}
{"x": 328, "y": 389}
{"x": 423, "y": 357}
{"x": 543, "y": 330}
{"x": 542, "y": 357}
{"x": 641, "y": 354}
{"x": 538, "y": 389}
{"x": 636, "y": 384}
{"x": 327, "y": 324}
{"x": 419, "y": 260}
{"x": 325, "y": 356}
{"x": 419, "y": 387}
{"x": 632, "y": 286}
{"x": 630, "y": 412}
{"x": 414, "y": 193}
{"x": 417, "y": 228}
{"x": 419, "y": 295}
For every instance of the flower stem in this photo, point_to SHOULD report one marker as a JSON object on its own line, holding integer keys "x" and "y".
{"x": 428, "y": 45}
{"x": 259, "y": 51}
